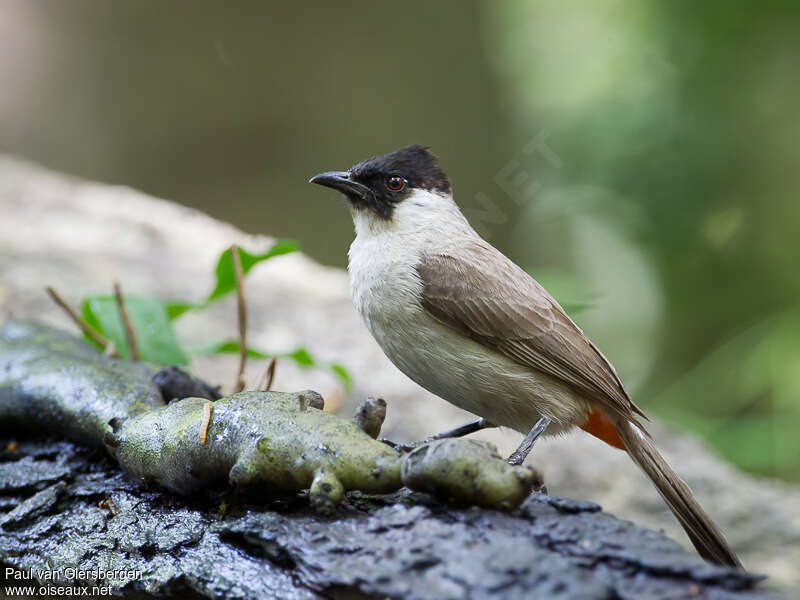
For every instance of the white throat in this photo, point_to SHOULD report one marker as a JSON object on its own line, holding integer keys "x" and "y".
{"x": 422, "y": 215}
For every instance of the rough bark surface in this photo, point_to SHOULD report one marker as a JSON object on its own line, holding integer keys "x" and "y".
{"x": 70, "y": 509}
{"x": 399, "y": 546}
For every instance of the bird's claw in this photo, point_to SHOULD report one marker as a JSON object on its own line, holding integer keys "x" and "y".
{"x": 405, "y": 447}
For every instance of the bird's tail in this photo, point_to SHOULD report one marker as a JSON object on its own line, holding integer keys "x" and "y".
{"x": 707, "y": 539}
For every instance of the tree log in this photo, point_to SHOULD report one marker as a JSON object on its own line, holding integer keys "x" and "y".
{"x": 74, "y": 514}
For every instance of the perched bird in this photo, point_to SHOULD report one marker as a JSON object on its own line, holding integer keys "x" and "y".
{"x": 466, "y": 323}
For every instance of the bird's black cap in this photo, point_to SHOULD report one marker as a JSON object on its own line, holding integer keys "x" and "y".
{"x": 416, "y": 164}
{"x": 381, "y": 182}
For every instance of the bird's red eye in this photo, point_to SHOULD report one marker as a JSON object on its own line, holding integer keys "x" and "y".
{"x": 395, "y": 183}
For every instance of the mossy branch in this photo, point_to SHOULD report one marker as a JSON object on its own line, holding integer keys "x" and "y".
{"x": 270, "y": 442}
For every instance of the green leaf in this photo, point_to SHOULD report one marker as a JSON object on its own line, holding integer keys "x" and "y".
{"x": 226, "y": 347}
{"x": 154, "y": 335}
{"x": 343, "y": 375}
{"x": 176, "y": 309}
{"x": 226, "y": 280}
{"x": 300, "y": 356}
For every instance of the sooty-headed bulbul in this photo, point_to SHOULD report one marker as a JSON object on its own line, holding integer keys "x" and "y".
{"x": 466, "y": 323}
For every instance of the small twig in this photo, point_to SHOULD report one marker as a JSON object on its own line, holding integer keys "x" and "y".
{"x": 208, "y": 409}
{"x": 130, "y": 334}
{"x": 264, "y": 382}
{"x": 270, "y": 373}
{"x": 242, "y": 307}
{"x": 97, "y": 337}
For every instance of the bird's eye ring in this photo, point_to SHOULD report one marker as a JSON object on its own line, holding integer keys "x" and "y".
{"x": 395, "y": 183}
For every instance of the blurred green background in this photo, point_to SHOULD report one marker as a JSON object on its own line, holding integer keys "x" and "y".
{"x": 640, "y": 158}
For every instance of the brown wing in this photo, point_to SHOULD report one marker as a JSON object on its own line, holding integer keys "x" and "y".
{"x": 481, "y": 293}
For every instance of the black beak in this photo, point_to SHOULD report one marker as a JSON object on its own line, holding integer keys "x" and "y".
{"x": 340, "y": 180}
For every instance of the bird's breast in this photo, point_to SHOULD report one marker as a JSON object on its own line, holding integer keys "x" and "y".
{"x": 383, "y": 280}
{"x": 387, "y": 294}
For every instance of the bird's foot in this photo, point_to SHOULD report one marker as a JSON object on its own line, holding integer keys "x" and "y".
{"x": 517, "y": 457}
{"x": 520, "y": 454}
{"x": 461, "y": 431}
{"x": 407, "y": 447}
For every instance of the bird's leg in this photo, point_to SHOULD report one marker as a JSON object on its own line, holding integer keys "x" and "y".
{"x": 521, "y": 453}
{"x": 461, "y": 431}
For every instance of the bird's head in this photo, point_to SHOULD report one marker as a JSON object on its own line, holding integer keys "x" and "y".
{"x": 381, "y": 184}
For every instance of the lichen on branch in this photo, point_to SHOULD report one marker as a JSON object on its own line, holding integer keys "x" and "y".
{"x": 268, "y": 442}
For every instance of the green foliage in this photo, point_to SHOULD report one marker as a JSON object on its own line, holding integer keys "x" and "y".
{"x": 152, "y": 320}
{"x": 155, "y": 337}
{"x": 341, "y": 372}
{"x": 300, "y": 356}
{"x": 176, "y": 309}
{"x": 226, "y": 280}
{"x": 677, "y": 141}
{"x": 748, "y": 377}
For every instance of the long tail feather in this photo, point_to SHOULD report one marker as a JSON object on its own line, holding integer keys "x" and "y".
{"x": 704, "y": 534}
